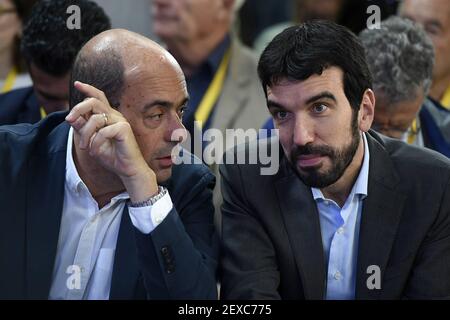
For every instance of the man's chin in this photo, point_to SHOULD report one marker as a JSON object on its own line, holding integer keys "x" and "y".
{"x": 314, "y": 179}
{"x": 162, "y": 175}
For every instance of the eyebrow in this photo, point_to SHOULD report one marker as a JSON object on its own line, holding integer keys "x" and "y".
{"x": 322, "y": 95}
{"x": 163, "y": 103}
{"x": 273, "y": 104}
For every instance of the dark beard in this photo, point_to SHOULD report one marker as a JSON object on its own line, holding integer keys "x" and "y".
{"x": 340, "y": 160}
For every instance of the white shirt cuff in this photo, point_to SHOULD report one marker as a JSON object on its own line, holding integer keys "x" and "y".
{"x": 146, "y": 219}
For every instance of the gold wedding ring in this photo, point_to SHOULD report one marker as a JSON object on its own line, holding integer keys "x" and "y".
{"x": 105, "y": 116}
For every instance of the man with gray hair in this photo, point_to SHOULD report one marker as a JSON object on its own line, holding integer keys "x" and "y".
{"x": 220, "y": 72}
{"x": 401, "y": 58}
{"x": 434, "y": 16}
{"x": 198, "y": 33}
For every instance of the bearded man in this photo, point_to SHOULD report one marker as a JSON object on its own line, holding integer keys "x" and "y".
{"x": 350, "y": 214}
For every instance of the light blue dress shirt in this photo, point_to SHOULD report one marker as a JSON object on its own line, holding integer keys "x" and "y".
{"x": 340, "y": 234}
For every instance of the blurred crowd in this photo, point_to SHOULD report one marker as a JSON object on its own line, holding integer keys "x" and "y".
{"x": 207, "y": 38}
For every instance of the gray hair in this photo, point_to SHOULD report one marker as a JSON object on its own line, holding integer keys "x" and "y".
{"x": 400, "y": 57}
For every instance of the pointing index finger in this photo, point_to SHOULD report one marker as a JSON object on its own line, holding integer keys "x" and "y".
{"x": 90, "y": 91}
{"x": 95, "y": 102}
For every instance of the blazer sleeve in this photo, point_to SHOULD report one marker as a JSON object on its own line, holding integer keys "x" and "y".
{"x": 178, "y": 259}
{"x": 248, "y": 262}
{"x": 430, "y": 277}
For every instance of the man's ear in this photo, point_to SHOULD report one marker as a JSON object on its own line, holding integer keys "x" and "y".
{"x": 366, "y": 110}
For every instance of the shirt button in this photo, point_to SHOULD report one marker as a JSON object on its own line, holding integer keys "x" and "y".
{"x": 82, "y": 269}
{"x": 337, "y": 275}
{"x": 340, "y": 230}
{"x": 158, "y": 220}
{"x": 327, "y": 203}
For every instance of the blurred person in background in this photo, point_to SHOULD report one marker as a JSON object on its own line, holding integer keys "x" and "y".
{"x": 355, "y": 15}
{"x": 349, "y": 13}
{"x": 401, "y": 58}
{"x": 319, "y": 9}
{"x": 254, "y": 18}
{"x": 304, "y": 10}
{"x": 220, "y": 72}
{"x": 434, "y": 15}
{"x": 49, "y": 48}
{"x": 13, "y": 14}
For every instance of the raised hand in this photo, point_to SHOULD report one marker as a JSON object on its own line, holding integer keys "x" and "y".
{"x": 108, "y": 137}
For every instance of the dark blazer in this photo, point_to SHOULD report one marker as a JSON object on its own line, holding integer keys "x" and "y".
{"x": 19, "y": 106}
{"x": 178, "y": 260}
{"x": 272, "y": 245}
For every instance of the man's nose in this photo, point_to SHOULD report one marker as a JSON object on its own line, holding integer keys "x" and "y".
{"x": 176, "y": 130}
{"x": 303, "y": 132}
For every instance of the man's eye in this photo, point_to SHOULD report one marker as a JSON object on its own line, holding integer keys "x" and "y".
{"x": 319, "y": 108}
{"x": 432, "y": 31}
{"x": 156, "y": 116}
{"x": 281, "y": 115}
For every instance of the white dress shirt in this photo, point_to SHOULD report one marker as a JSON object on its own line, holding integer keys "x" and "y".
{"x": 88, "y": 236}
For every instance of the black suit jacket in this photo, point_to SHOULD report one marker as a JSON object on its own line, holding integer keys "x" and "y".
{"x": 272, "y": 245}
{"x": 19, "y": 106}
{"x": 177, "y": 260}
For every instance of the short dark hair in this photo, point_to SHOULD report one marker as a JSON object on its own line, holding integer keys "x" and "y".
{"x": 49, "y": 44}
{"x": 302, "y": 51}
{"x": 23, "y": 10}
{"x": 104, "y": 70}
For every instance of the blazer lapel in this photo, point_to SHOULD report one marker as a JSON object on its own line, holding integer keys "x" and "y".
{"x": 45, "y": 196}
{"x": 381, "y": 215}
{"x": 302, "y": 222}
{"x": 125, "y": 271}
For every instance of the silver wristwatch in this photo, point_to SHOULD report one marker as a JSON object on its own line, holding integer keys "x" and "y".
{"x": 150, "y": 201}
